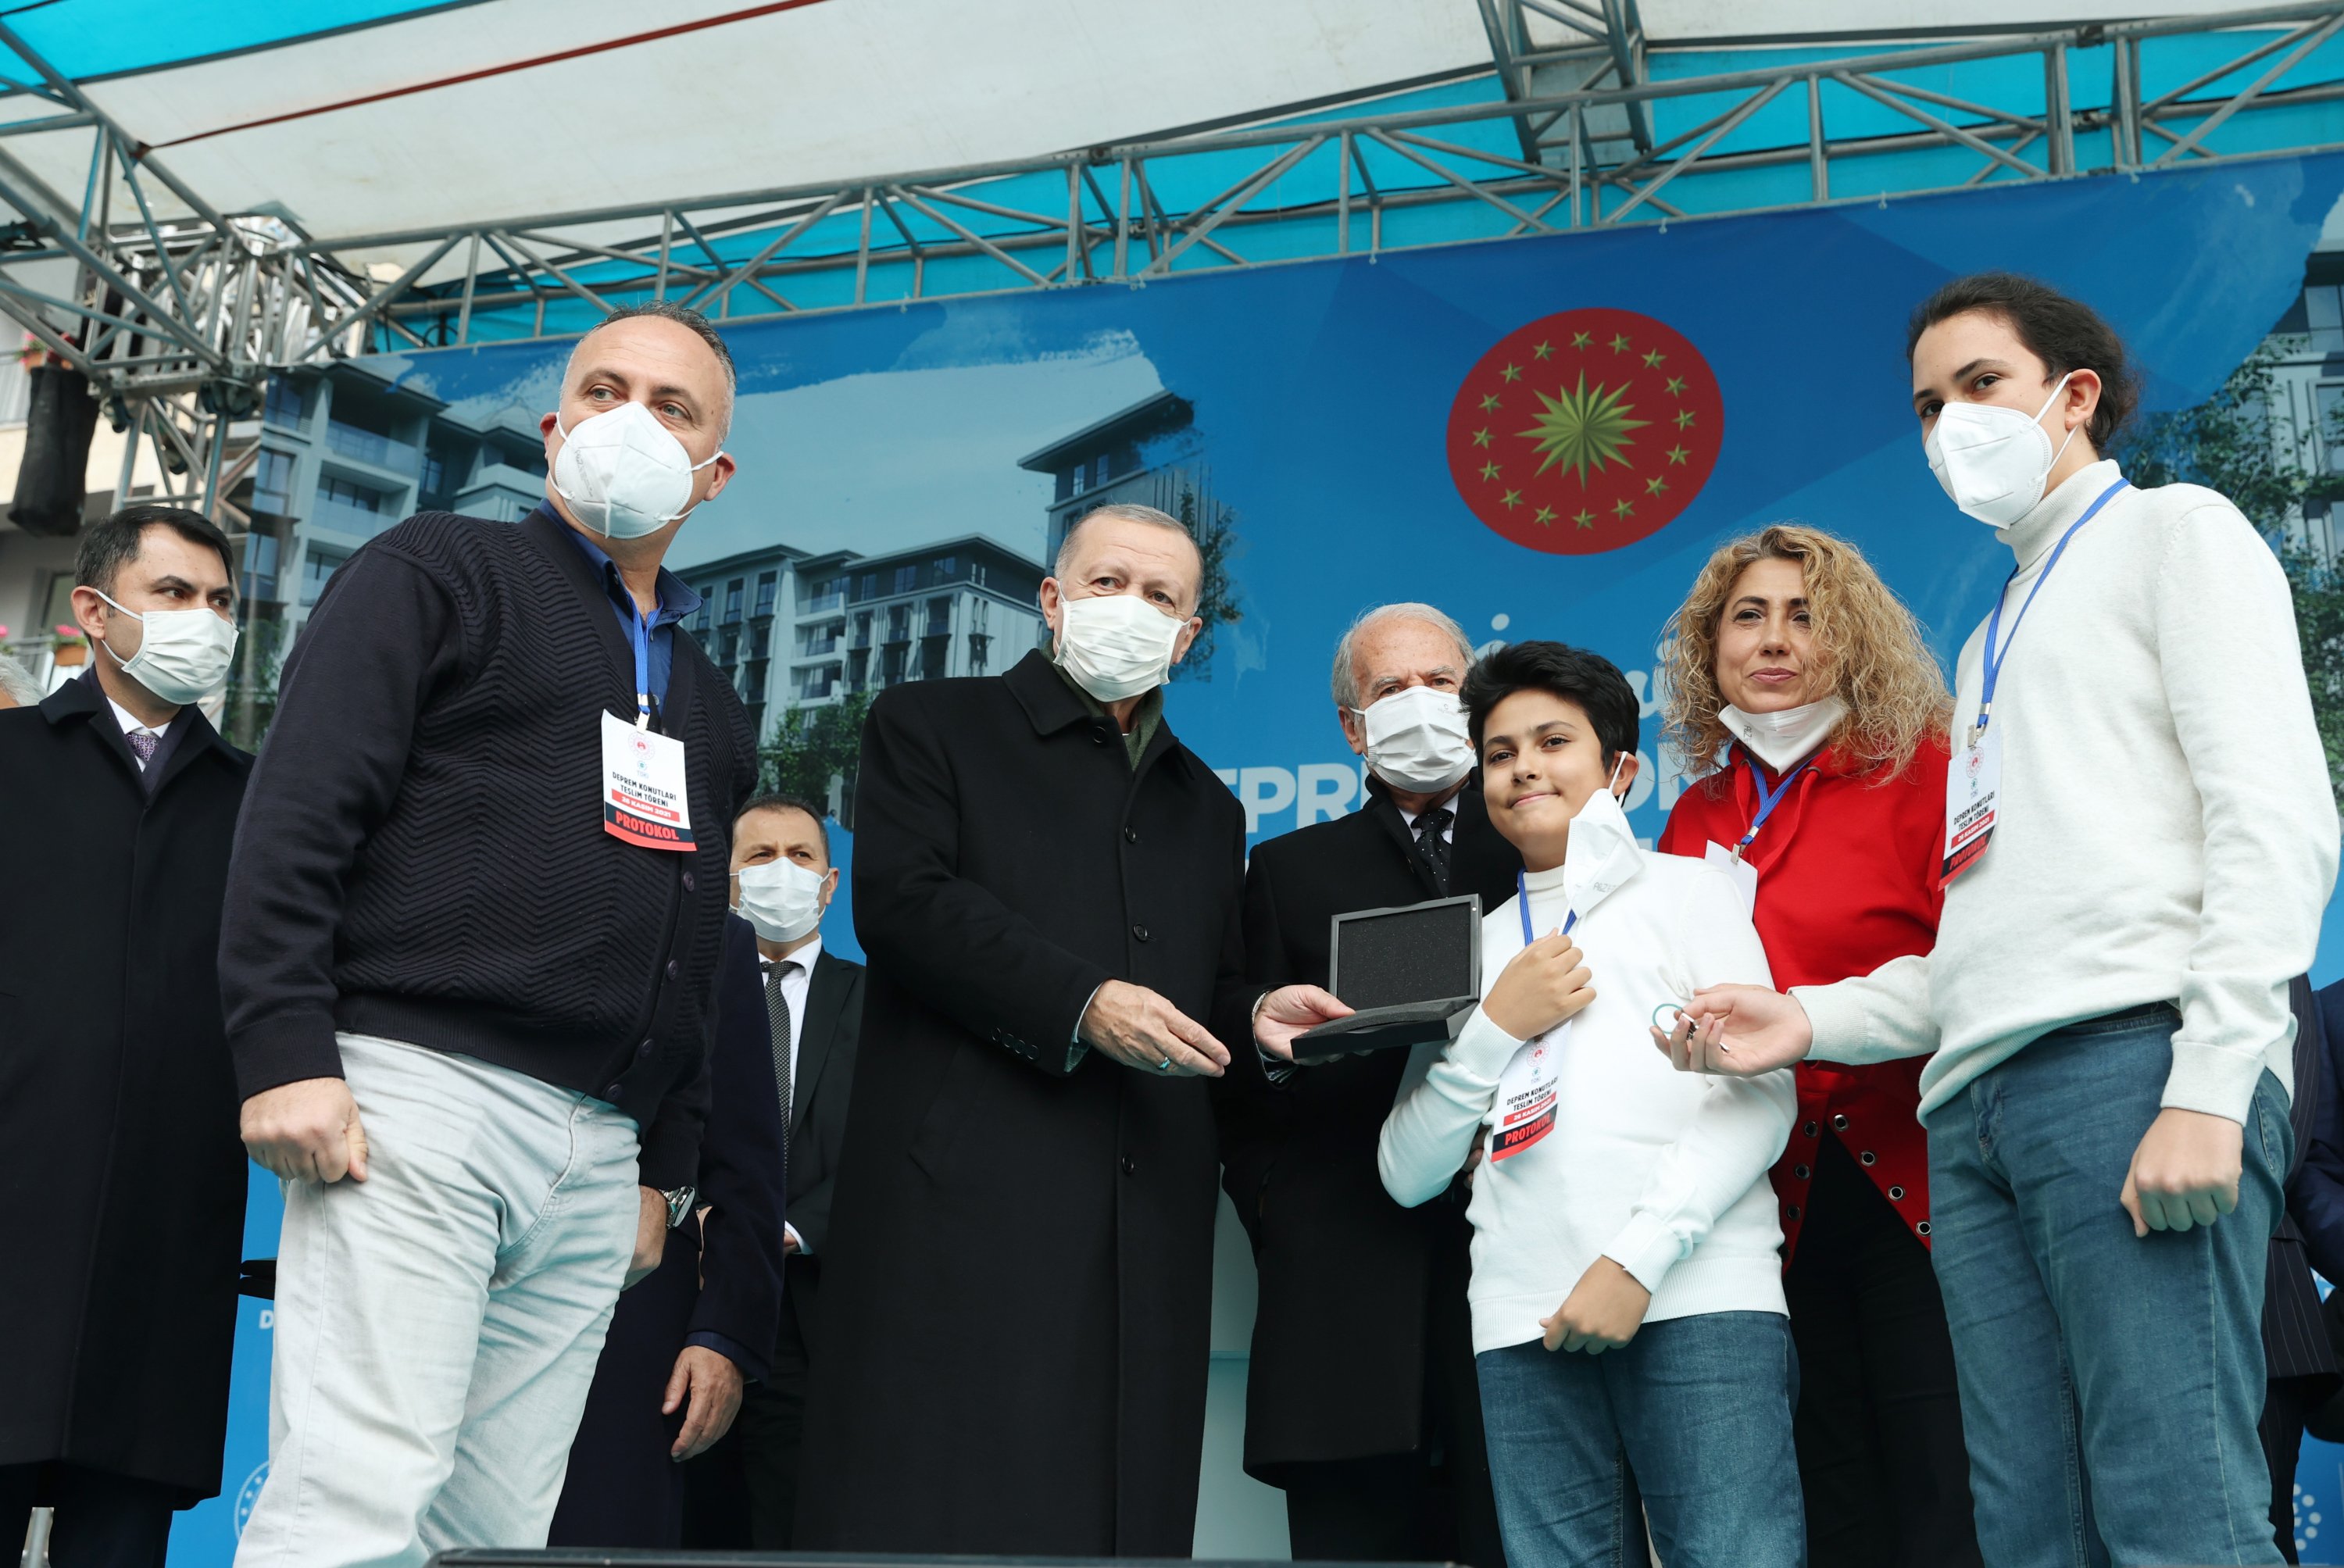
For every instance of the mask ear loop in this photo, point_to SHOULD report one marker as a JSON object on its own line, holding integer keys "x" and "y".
{"x": 1618, "y": 762}
{"x": 107, "y": 642}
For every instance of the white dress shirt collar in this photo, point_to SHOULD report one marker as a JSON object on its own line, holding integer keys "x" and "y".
{"x": 133, "y": 726}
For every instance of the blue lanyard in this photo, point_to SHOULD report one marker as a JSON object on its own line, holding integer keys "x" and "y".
{"x": 1522, "y": 903}
{"x": 1768, "y": 801}
{"x": 1995, "y": 656}
{"x": 639, "y": 626}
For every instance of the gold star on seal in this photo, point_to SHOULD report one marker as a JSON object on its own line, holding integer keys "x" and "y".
{"x": 1653, "y": 359}
{"x": 1684, "y": 418}
{"x": 1542, "y": 350}
{"x": 1545, "y": 515}
{"x": 1582, "y": 339}
{"x": 1622, "y": 509}
{"x": 1511, "y": 372}
{"x": 1482, "y": 438}
{"x": 1620, "y": 344}
{"x": 1654, "y": 485}
{"x": 1488, "y": 401}
{"x": 1489, "y": 470}
{"x": 1677, "y": 454}
{"x": 1511, "y": 500}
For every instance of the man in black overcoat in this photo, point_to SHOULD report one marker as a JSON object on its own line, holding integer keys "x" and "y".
{"x": 119, "y": 1159}
{"x": 682, "y": 1344}
{"x": 1360, "y": 1399}
{"x": 1017, "y": 1302}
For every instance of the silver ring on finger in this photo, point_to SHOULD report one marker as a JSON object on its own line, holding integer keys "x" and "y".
{"x": 1165, "y": 1065}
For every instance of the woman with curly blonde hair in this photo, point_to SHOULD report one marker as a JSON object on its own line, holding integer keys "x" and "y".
{"x": 1800, "y": 686}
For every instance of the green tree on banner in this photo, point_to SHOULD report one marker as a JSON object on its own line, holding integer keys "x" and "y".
{"x": 1216, "y": 602}
{"x": 2232, "y": 443}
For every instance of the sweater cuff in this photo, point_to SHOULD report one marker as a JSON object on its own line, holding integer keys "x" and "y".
{"x": 1646, "y": 1248}
{"x": 2215, "y": 1079}
{"x": 285, "y": 1048}
{"x": 1482, "y": 1048}
{"x": 753, "y": 1369}
{"x": 1836, "y": 1017}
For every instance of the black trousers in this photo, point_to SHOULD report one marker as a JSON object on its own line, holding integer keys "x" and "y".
{"x": 773, "y": 1418}
{"x": 1879, "y": 1421}
{"x": 2285, "y": 1403}
{"x": 1432, "y": 1506}
{"x": 102, "y": 1521}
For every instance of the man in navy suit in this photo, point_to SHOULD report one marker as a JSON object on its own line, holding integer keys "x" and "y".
{"x": 685, "y": 1342}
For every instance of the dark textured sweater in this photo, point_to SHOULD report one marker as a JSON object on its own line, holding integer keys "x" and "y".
{"x": 421, "y": 856}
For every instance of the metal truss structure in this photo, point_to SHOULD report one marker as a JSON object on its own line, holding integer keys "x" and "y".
{"x": 177, "y": 321}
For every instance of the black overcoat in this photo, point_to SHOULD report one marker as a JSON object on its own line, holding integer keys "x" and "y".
{"x": 121, "y": 1174}
{"x": 1017, "y": 1303}
{"x": 1347, "y": 1277}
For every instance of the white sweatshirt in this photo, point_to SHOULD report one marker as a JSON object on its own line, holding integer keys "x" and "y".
{"x": 1663, "y": 1173}
{"x": 2165, "y": 830}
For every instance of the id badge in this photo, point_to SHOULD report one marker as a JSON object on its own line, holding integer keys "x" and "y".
{"x": 1973, "y": 787}
{"x": 644, "y": 797}
{"x": 1745, "y": 874}
{"x": 1526, "y": 1094}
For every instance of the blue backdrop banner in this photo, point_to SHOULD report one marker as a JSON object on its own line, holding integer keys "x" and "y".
{"x": 1545, "y": 437}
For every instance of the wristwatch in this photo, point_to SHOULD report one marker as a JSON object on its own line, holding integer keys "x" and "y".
{"x": 679, "y": 1205}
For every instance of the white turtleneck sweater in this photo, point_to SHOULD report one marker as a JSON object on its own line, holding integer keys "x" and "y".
{"x": 2165, "y": 830}
{"x": 1662, "y": 1172}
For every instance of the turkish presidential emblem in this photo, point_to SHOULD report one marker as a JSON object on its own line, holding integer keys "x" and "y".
{"x": 1585, "y": 431}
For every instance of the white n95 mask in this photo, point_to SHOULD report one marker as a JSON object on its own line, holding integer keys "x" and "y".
{"x": 1993, "y": 460}
{"x": 184, "y": 655}
{"x": 1781, "y": 738}
{"x": 1115, "y": 645}
{"x": 1417, "y": 739}
{"x": 781, "y": 898}
{"x": 623, "y": 473}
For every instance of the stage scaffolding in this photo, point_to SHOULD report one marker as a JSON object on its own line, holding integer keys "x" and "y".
{"x": 1579, "y": 123}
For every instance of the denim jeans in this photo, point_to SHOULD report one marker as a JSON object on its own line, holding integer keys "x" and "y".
{"x": 438, "y": 1324}
{"x": 2110, "y": 1383}
{"x": 1699, "y": 1408}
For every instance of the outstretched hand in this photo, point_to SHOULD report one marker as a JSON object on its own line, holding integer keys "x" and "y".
{"x": 1288, "y": 1011}
{"x": 1738, "y": 1031}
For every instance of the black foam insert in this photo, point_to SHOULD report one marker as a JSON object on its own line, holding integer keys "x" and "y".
{"x": 1422, "y": 955}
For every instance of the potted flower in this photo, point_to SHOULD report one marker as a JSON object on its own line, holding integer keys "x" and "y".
{"x": 70, "y": 650}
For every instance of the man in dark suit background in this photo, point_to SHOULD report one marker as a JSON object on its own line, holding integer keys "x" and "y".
{"x": 1016, "y": 1312}
{"x": 1361, "y": 1402}
{"x": 783, "y": 880}
{"x": 683, "y": 1342}
{"x": 118, "y": 1147}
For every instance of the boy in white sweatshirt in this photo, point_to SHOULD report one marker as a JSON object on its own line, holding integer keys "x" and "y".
{"x": 1627, "y": 1294}
{"x": 2141, "y": 839}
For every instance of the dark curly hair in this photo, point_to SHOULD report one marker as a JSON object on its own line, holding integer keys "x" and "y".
{"x": 2065, "y": 334}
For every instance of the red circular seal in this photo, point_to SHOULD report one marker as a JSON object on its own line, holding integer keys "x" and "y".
{"x": 1585, "y": 431}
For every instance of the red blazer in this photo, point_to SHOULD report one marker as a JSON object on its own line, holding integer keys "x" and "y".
{"x": 1847, "y": 879}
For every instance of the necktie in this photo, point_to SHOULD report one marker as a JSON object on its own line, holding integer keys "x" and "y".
{"x": 777, "y": 1013}
{"x": 1430, "y": 828}
{"x": 142, "y": 744}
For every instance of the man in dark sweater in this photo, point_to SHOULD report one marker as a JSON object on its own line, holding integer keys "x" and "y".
{"x": 475, "y": 912}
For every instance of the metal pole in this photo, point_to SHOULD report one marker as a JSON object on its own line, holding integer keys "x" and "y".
{"x": 1818, "y": 161}
{"x": 1343, "y": 193}
{"x": 863, "y": 250}
{"x": 129, "y": 470}
{"x": 667, "y": 238}
{"x": 2057, "y": 117}
{"x": 472, "y": 280}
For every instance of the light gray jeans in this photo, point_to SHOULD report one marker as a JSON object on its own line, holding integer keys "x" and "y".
{"x": 438, "y": 1324}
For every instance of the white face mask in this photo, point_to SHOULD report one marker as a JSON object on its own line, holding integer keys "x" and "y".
{"x": 184, "y": 655}
{"x": 1993, "y": 461}
{"x": 1780, "y": 739}
{"x": 1115, "y": 645}
{"x": 781, "y": 898}
{"x": 1417, "y": 739}
{"x": 1603, "y": 852}
{"x": 623, "y": 473}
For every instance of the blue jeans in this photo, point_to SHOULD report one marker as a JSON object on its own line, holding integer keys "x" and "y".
{"x": 2110, "y": 1383}
{"x": 1699, "y": 1408}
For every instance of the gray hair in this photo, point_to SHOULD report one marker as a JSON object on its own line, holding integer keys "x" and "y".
{"x": 17, "y": 683}
{"x": 1346, "y": 683}
{"x": 1126, "y": 511}
{"x": 691, "y": 321}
